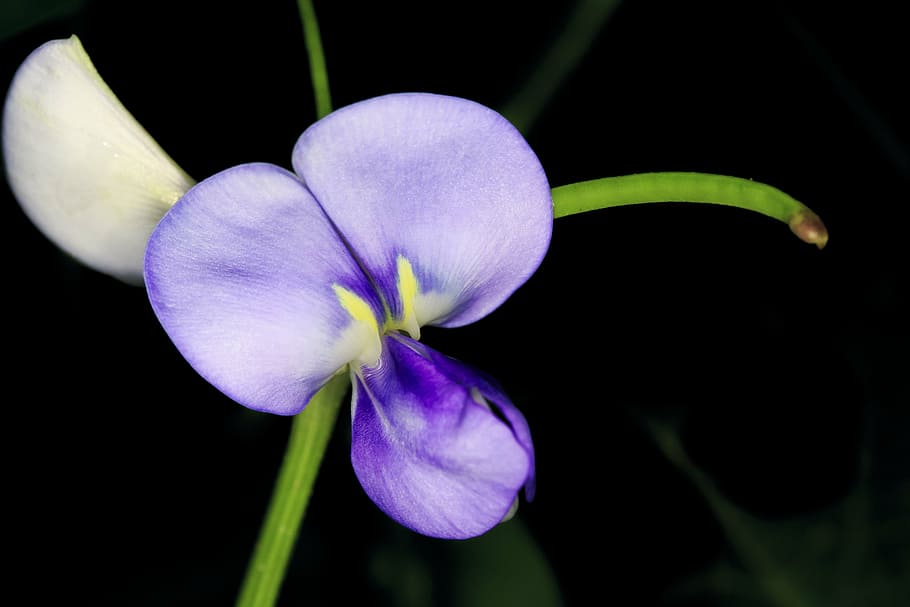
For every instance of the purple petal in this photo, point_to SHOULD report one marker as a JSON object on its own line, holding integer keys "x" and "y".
{"x": 428, "y": 450}
{"x": 491, "y": 391}
{"x": 242, "y": 273}
{"x": 444, "y": 182}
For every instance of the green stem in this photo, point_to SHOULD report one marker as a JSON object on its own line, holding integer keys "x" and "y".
{"x": 309, "y": 437}
{"x": 310, "y": 430}
{"x": 318, "y": 73}
{"x": 581, "y": 29}
{"x": 691, "y": 187}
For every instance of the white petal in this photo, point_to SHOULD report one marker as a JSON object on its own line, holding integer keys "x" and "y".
{"x": 85, "y": 172}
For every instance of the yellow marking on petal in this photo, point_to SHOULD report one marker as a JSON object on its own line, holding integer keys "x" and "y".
{"x": 364, "y": 323}
{"x": 408, "y": 290}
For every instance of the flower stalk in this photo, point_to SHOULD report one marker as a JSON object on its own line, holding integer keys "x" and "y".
{"x": 310, "y": 432}
{"x": 310, "y": 429}
{"x": 319, "y": 75}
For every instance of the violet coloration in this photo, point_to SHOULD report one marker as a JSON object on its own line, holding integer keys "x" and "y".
{"x": 403, "y": 211}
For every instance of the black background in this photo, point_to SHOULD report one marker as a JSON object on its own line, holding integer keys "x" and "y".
{"x": 130, "y": 481}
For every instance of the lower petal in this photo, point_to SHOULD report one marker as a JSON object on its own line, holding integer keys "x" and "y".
{"x": 496, "y": 398}
{"x": 429, "y": 450}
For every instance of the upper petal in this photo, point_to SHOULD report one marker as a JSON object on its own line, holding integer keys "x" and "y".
{"x": 445, "y": 184}
{"x": 256, "y": 290}
{"x": 427, "y": 448}
{"x": 85, "y": 172}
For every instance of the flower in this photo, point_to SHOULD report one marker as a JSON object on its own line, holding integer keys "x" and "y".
{"x": 406, "y": 210}
{"x": 83, "y": 170}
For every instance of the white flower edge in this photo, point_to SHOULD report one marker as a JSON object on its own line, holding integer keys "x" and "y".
{"x": 85, "y": 172}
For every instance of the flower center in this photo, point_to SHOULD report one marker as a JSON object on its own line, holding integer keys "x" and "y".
{"x": 364, "y": 329}
{"x": 365, "y": 322}
{"x": 408, "y": 291}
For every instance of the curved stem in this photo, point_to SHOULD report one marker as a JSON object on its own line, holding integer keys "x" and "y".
{"x": 318, "y": 73}
{"x": 309, "y": 437}
{"x": 691, "y": 187}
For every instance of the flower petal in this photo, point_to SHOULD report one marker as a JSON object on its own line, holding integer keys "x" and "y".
{"x": 496, "y": 398}
{"x": 443, "y": 183}
{"x": 428, "y": 450}
{"x": 85, "y": 172}
{"x": 257, "y": 291}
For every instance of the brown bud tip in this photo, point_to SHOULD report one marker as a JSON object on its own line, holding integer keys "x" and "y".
{"x": 809, "y": 228}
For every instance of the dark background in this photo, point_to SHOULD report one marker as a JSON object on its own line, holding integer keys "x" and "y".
{"x": 130, "y": 481}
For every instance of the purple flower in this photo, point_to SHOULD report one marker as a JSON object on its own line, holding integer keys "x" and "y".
{"x": 405, "y": 210}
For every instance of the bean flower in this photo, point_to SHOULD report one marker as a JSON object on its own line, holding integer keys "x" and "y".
{"x": 401, "y": 211}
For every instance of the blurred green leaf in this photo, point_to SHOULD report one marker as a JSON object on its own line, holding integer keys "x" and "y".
{"x": 855, "y": 553}
{"x": 503, "y": 567}
{"x": 19, "y": 15}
